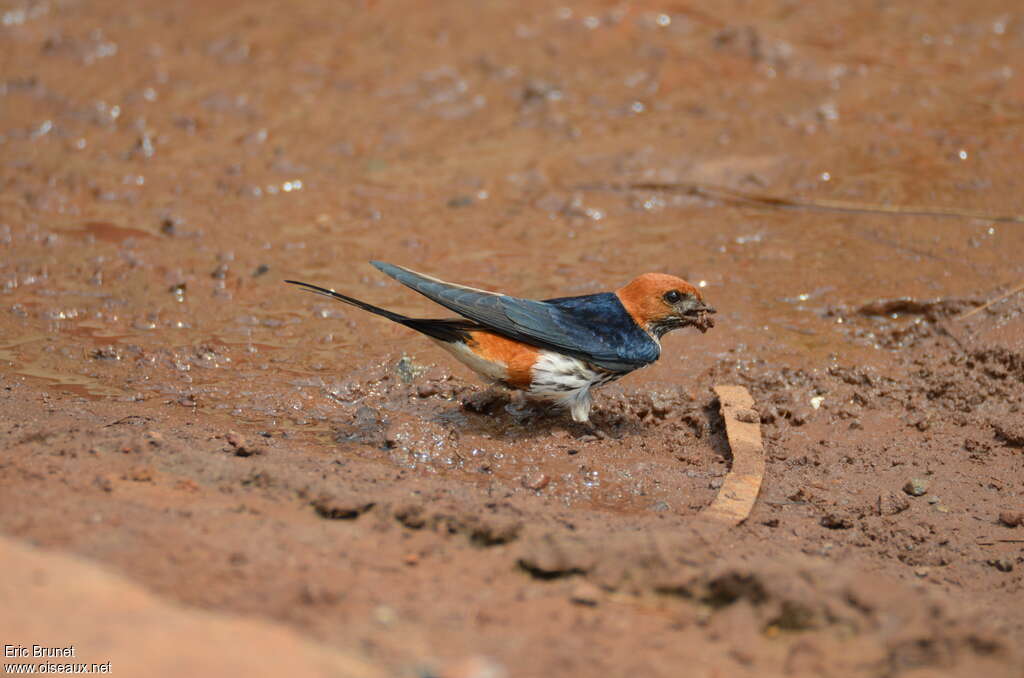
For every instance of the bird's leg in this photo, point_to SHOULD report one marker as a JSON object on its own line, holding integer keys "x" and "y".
{"x": 579, "y": 405}
{"x": 588, "y": 429}
{"x": 580, "y": 409}
{"x": 519, "y": 406}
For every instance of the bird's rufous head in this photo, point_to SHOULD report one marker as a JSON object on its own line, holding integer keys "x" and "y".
{"x": 659, "y": 303}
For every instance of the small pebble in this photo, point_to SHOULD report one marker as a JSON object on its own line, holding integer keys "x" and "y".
{"x": 1002, "y": 564}
{"x": 835, "y": 521}
{"x": 916, "y": 487}
{"x": 477, "y": 666}
{"x": 140, "y": 474}
{"x": 460, "y": 201}
{"x": 585, "y": 593}
{"x": 660, "y": 406}
{"x": 748, "y": 416}
{"x": 154, "y": 438}
{"x": 1011, "y": 518}
{"x": 384, "y": 615}
{"x": 426, "y": 390}
{"x": 536, "y": 481}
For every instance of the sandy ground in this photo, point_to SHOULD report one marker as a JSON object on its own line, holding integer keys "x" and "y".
{"x": 335, "y": 489}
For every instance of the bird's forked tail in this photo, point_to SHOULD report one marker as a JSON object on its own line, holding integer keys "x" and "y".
{"x": 442, "y": 330}
{"x": 397, "y": 317}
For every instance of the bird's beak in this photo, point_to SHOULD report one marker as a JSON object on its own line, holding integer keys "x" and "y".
{"x": 700, "y": 316}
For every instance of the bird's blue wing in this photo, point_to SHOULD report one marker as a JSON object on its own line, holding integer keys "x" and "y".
{"x": 594, "y": 328}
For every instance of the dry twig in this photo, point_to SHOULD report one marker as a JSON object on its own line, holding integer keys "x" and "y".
{"x": 742, "y": 483}
{"x": 990, "y": 302}
{"x": 763, "y": 200}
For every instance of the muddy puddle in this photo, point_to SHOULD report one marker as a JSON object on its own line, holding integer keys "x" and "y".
{"x": 174, "y": 411}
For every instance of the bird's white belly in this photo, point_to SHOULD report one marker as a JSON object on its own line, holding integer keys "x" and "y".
{"x": 555, "y": 374}
{"x": 557, "y": 378}
{"x": 567, "y": 381}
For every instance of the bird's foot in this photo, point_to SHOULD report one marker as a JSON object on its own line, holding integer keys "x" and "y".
{"x": 586, "y": 431}
{"x": 521, "y": 409}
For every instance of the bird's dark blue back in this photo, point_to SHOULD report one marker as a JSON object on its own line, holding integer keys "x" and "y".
{"x": 603, "y": 317}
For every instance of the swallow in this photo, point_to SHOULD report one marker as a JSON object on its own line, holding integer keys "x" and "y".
{"x": 556, "y": 350}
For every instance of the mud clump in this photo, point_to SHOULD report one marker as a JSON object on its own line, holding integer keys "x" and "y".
{"x": 1010, "y": 433}
{"x": 892, "y": 503}
{"x": 239, "y": 446}
{"x": 485, "y": 402}
{"x": 340, "y": 507}
{"x": 493, "y": 528}
{"x": 1011, "y": 518}
{"x": 549, "y": 557}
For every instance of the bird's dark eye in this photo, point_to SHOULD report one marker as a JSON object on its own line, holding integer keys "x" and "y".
{"x": 673, "y": 296}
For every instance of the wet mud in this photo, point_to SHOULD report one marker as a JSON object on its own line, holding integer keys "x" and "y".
{"x": 174, "y": 412}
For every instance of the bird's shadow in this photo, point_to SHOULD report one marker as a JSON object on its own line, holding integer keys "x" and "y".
{"x": 718, "y": 439}
{"x": 498, "y": 414}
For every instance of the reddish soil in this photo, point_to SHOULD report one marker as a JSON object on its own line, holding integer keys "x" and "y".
{"x": 173, "y": 412}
